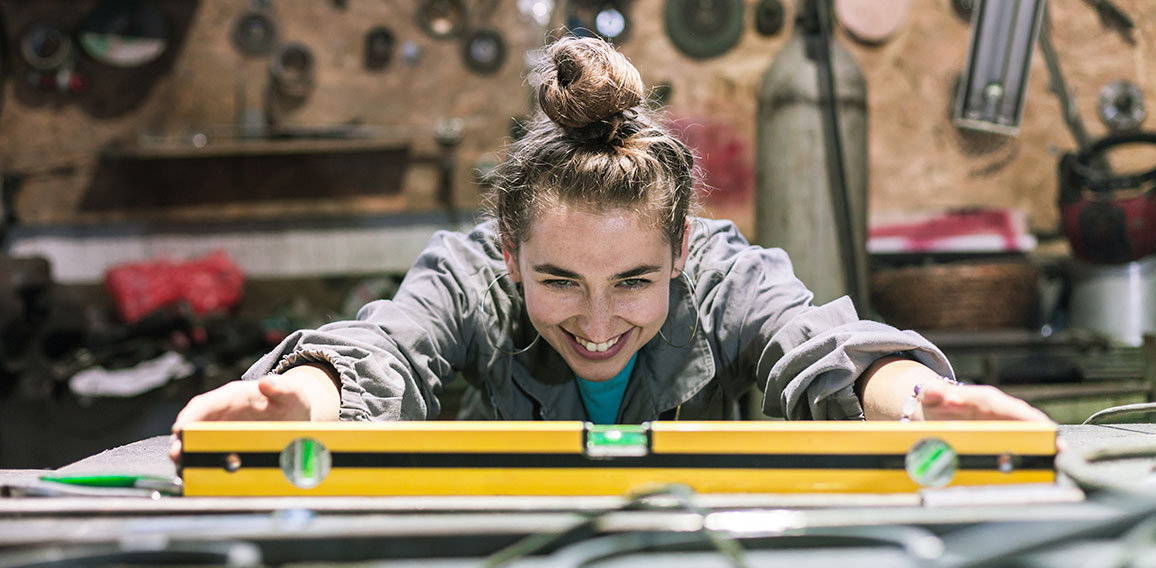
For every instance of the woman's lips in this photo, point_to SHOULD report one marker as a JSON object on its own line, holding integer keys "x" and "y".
{"x": 611, "y": 350}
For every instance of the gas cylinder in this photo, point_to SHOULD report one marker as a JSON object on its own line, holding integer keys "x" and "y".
{"x": 795, "y": 210}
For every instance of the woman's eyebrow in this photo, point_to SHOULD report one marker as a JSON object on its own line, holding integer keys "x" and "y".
{"x": 554, "y": 270}
{"x": 637, "y": 271}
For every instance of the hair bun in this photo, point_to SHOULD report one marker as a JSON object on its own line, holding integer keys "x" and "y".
{"x": 587, "y": 85}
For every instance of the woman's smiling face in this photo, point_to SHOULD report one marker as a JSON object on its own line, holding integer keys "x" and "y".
{"x": 597, "y": 284}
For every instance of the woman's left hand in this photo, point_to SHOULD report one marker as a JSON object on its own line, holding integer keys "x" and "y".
{"x": 944, "y": 401}
{"x": 887, "y": 386}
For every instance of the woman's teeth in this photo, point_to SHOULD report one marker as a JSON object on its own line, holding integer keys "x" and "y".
{"x": 591, "y": 346}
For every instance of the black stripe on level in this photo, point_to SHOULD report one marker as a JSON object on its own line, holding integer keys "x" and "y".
{"x": 664, "y": 461}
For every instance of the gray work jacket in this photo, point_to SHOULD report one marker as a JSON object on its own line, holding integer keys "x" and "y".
{"x": 756, "y": 325}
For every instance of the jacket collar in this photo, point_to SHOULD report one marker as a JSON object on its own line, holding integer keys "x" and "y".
{"x": 666, "y": 376}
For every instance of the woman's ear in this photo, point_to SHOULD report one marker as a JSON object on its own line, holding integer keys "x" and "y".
{"x": 683, "y": 250}
{"x": 511, "y": 262}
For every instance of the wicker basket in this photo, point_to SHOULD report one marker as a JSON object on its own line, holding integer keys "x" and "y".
{"x": 963, "y": 296}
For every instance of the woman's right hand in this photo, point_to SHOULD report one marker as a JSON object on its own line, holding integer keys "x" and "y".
{"x": 301, "y": 393}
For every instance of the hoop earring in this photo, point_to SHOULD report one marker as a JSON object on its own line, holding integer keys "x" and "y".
{"x": 486, "y": 332}
{"x": 694, "y": 303}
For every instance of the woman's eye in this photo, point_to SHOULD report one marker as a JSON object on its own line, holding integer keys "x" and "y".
{"x": 634, "y": 283}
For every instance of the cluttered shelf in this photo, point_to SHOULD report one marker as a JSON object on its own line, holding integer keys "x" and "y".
{"x": 206, "y": 172}
{"x": 217, "y": 143}
{"x": 1069, "y": 374}
{"x": 1033, "y": 314}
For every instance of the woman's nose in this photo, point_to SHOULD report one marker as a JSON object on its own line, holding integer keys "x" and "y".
{"x": 599, "y": 317}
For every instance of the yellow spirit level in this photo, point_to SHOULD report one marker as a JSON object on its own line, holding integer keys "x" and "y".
{"x": 573, "y": 458}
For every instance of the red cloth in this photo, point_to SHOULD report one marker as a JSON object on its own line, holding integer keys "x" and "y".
{"x": 978, "y": 230}
{"x": 211, "y": 283}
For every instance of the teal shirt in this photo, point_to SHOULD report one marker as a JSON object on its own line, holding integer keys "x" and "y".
{"x": 603, "y": 398}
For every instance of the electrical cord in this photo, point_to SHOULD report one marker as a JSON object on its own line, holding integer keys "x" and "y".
{"x": 918, "y": 543}
{"x": 238, "y": 554}
{"x": 1135, "y": 545}
{"x": 1121, "y": 410}
{"x": 601, "y": 547}
{"x": 588, "y": 552}
{"x": 999, "y": 550}
{"x": 1077, "y": 465}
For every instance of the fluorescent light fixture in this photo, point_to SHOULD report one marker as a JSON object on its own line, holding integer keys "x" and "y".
{"x": 994, "y": 82}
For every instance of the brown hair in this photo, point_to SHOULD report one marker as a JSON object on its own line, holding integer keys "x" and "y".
{"x": 592, "y": 142}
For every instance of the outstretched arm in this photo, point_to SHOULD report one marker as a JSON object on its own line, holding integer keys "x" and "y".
{"x": 891, "y": 381}
{"x": 307, "y": 392}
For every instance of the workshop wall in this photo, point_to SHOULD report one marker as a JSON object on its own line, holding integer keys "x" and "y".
{"x": 62, "y": 143}
{"x": 70, "y": 148}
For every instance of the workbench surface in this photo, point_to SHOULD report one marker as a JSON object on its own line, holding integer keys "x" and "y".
{"x": 966, "y": 524}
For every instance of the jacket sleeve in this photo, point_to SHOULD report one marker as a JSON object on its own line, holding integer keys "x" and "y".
{"x": 806, "y": 357}
{"x": 393, "y": 358}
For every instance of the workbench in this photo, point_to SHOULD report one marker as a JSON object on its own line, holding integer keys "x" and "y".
{"x": 1053, "y": 524}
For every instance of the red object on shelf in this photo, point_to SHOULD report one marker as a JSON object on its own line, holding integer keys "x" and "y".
{"x": 978, "y": 230}
{"x": 212, "y": 283}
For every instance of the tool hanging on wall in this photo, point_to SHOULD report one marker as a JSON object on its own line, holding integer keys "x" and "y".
{"x": 379, "y": 46}
{"x": 612, "y": 21}
{"x": 484, "y": 51}
{"x": 608, "y": 19}
{"x": 872, "y": 22}
{"x": 1122, "y": 106}
{"x": 994, "y": 82}
{"x": 124, "y": 33}
{"x": 291, "y": 80}
{"x": 103, "y": 56}
{"x": 704, "y": 28}
{"x": 49, "y": 54}
{"x": 442, "y": 19}
{"x": 1111, "y": 16}
{"x": 769, "y": 17}
{"x": 45, "y": 47}
{"x": 1108, "y": 217}
{"x": 483, "y": 46}
{"x": 1056, "y": 84}
{"x": 255, "y": 33}
{"x": 291, "y": 70}
{"x": 448, "y": 133}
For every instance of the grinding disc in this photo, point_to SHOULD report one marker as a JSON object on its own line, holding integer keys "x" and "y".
{"x": 769, "y": 17}
{"x": 379, "y": 46}
{"x": 704, "y": 28}
{"x": 607, "y": 19}
{"x": 45, "y": 47}
{"x": 612, "y": 21}
{"x": 292, "y": 69}
{"x": 255, "y": 34}
{"x": 1121, "y": 106}
{"x": 442, "y": 19}
{"x": 484, "y": 51}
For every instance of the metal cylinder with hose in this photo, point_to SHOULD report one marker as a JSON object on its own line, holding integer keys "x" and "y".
{"x": 812, "y": 185}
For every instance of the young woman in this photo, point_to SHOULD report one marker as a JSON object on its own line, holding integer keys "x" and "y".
{"x": 593, "y": 295}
